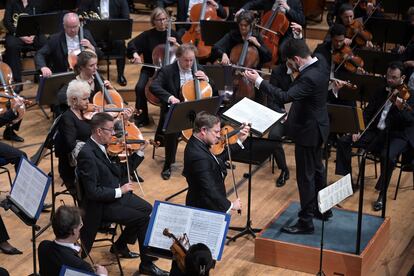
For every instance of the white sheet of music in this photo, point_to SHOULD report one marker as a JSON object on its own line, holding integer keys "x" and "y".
{"x": 260, "y": 116}
{"x": 28, "y": 188}
{"x": 334, "y": 193}
{"x": 70, "y": 272}
{"x": 199, "y": 225}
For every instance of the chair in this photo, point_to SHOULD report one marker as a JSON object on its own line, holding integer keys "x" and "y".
{"x": 3, "y": 169}
{"x": 406, "y": 165}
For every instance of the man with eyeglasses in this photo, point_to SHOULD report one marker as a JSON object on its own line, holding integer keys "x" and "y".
{"x": 64, "y": 250}
{"x": 106, "y": 197}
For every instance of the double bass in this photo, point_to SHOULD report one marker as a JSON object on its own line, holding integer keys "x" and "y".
{"x": 276, "y": 21}
{"x": 193, "y": 35}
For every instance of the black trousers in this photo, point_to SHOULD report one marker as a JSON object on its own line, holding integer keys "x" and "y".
{"x": 133, "y": 212}
{"x": 11, "y": 155}
{"x": 4, "y": 236}
{"x": 14, "y": 47}
{"x": 140, "y": 98}
{"x": 276, "y": 133}
{"x": 310, "y": 175}
{"x": 170, "y": 141}
{"x": 115, "y": 47}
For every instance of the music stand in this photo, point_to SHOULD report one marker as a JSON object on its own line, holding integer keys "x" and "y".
{"x": 221, "y": 75}
{"x": 234, "y": 3}
{"x": 376, "y": 61}
{"x": 46, "y": 23}
{"x": 109, "y": 29}
{"x": 49, "y": 87}
{"x": 389, "y": 31}
{"x": 24, "y": 203}
{"x": 213, "y": 31}
{"x": 181, "y": 116}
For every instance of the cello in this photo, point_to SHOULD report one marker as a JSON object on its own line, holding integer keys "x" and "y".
{"x": 73, "y": 55}
{"x": 162, "y": 55}
{"x": 276, "y": 21}
{"x": 193, "y": 35}
{"x": 195, "y": 90}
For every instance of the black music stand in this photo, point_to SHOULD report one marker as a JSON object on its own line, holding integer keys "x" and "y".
{"x": 213, "y": 31}
{"x": 376, "y": 61}
{"x": 109, "y": 29}
{"x": 181, "y": 116}
{"x": 234, "y": 3}
{"x": 389, "y": 31}
{"x": 399, "y": 7}
{"x": 46, "y": 23}
{"x": 49, "y": 88}
{"x": 59, "y": 5}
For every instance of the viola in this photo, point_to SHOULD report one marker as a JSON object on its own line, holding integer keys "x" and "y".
{"x": 162, "y": 55}
{"x": 195, "y": 90}
{"x": 276, "y": 21}
{"x": 178, "y": 249}
{"x": 357, "y": 33}
{"x": 199, "y": 12}
{"x": 345, "y": 57}
{"x": 247, "y": 56}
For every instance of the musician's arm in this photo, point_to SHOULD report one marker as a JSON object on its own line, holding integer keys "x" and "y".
{"x": 296, "y": 14}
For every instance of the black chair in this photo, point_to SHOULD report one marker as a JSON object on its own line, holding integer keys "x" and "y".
{"x": 405, "y": 165}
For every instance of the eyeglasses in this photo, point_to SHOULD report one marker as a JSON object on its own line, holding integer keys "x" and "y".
{"x": 108, "y": 129}
{"x": 161, "y": 19}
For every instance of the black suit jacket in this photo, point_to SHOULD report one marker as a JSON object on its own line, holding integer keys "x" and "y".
{"x": 117, "y": 8}
{"x": 308, "y": 122}
{"x": 281, "y": 79}
{"x": 205, "y": 176}
{"x": 53, "y": 256}
{"x": 98, "y": 179}
{"x": 54, "y": 54}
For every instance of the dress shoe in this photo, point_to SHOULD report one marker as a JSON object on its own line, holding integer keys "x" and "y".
{"x": 122, "y": 80}
{"x": 124, "y": 252}
{"x": 166, "y": 173}
{"x": 325, "y": 216}
{"x": 377, "y": 206}
{"x": 299, "y": 228}
{"x": 281, "y": 181}
{"x": 142, "y": 122}
{"x": 10, "y": 135}
{"x": 11, "y": 251}
{"x": 151, "y": 269}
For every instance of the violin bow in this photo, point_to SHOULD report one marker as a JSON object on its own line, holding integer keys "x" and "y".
{"x": 231, "y": 167}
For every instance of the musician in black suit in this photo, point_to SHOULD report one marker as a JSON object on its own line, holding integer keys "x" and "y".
{"x": 110, "y": 9}
{"x": 108, "y": 197}
{"x": 64, "y": 250}
{"x": 184, "y": 8}
{"x": 307, "y": 125}
{"x": 167, "y": 86}
{"x": 53, "y": 56}
{"x": 5, "y": 246}
{"x": 205, "y": 173}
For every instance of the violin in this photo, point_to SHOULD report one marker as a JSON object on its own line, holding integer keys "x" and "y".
{"x": 198, "y": 12}
{"x": 162, "y": 55}
{"x": 276, "y": 21}
{"x": 402, "y": 92}
{"x": 195, "y": 90}
{"x": 346, "y": 84}
{"x": 356, "y": 32}
{"x": 247, "y": 56}
{"x": 346, "y": 57}
{"x": 178, "y": 249}
{"x": 231, "y": 134}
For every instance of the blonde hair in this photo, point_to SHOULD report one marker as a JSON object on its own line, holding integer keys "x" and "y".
{"x": 155, "y": 13}
{"x": 76, "y": 89}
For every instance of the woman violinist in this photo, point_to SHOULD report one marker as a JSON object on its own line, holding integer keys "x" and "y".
{"x": 144, "y": 44}
{"x": 223, "y": 47}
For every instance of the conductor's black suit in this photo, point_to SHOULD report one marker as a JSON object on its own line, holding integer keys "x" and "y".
{"x": 98, "y": 179}
{"x": 308, "y": 126}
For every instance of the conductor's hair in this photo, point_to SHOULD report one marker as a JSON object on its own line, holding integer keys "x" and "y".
{"x": 295, "y": 47}
{"x": 65, "y": 220}
{"x": 337, "y": 30}
{"x": 206, "y": 120}
{"x": 184, "y": 48}
{"x": 99, "y": 120}
{"x": 198, "y": 260}
{"x": 345, "y": 7}
{"x": 83, "y": 59}
{"x": 155, "y": 13}
{"x": 397, "y": 65}
{"x": 247, "y": 16}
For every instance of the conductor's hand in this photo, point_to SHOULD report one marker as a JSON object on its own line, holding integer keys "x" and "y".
{"x": 296, "y": 29}
{"x": 251, "y": 75}
{"x": 46, "y": 72}
{"x": 237, "y": 205}
{"x": 127, "y": 187}
{"x": 244, "y": 132}
{"x": 201, "y": 75}
{"x": 100, "y": 270}
{"x": 355, "y": 137}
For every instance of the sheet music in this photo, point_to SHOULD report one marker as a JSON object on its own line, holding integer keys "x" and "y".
{"x": 28, "y": 188}
{"x": 68, "y": 271}
{"x": 201, "y": 226}
{"x": 260, "y": 116}
{"x": 334, "y": 193}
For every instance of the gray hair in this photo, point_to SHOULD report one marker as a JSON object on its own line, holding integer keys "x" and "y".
{"x": 68, "y": 15}
{"x": 76, "y": 89}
